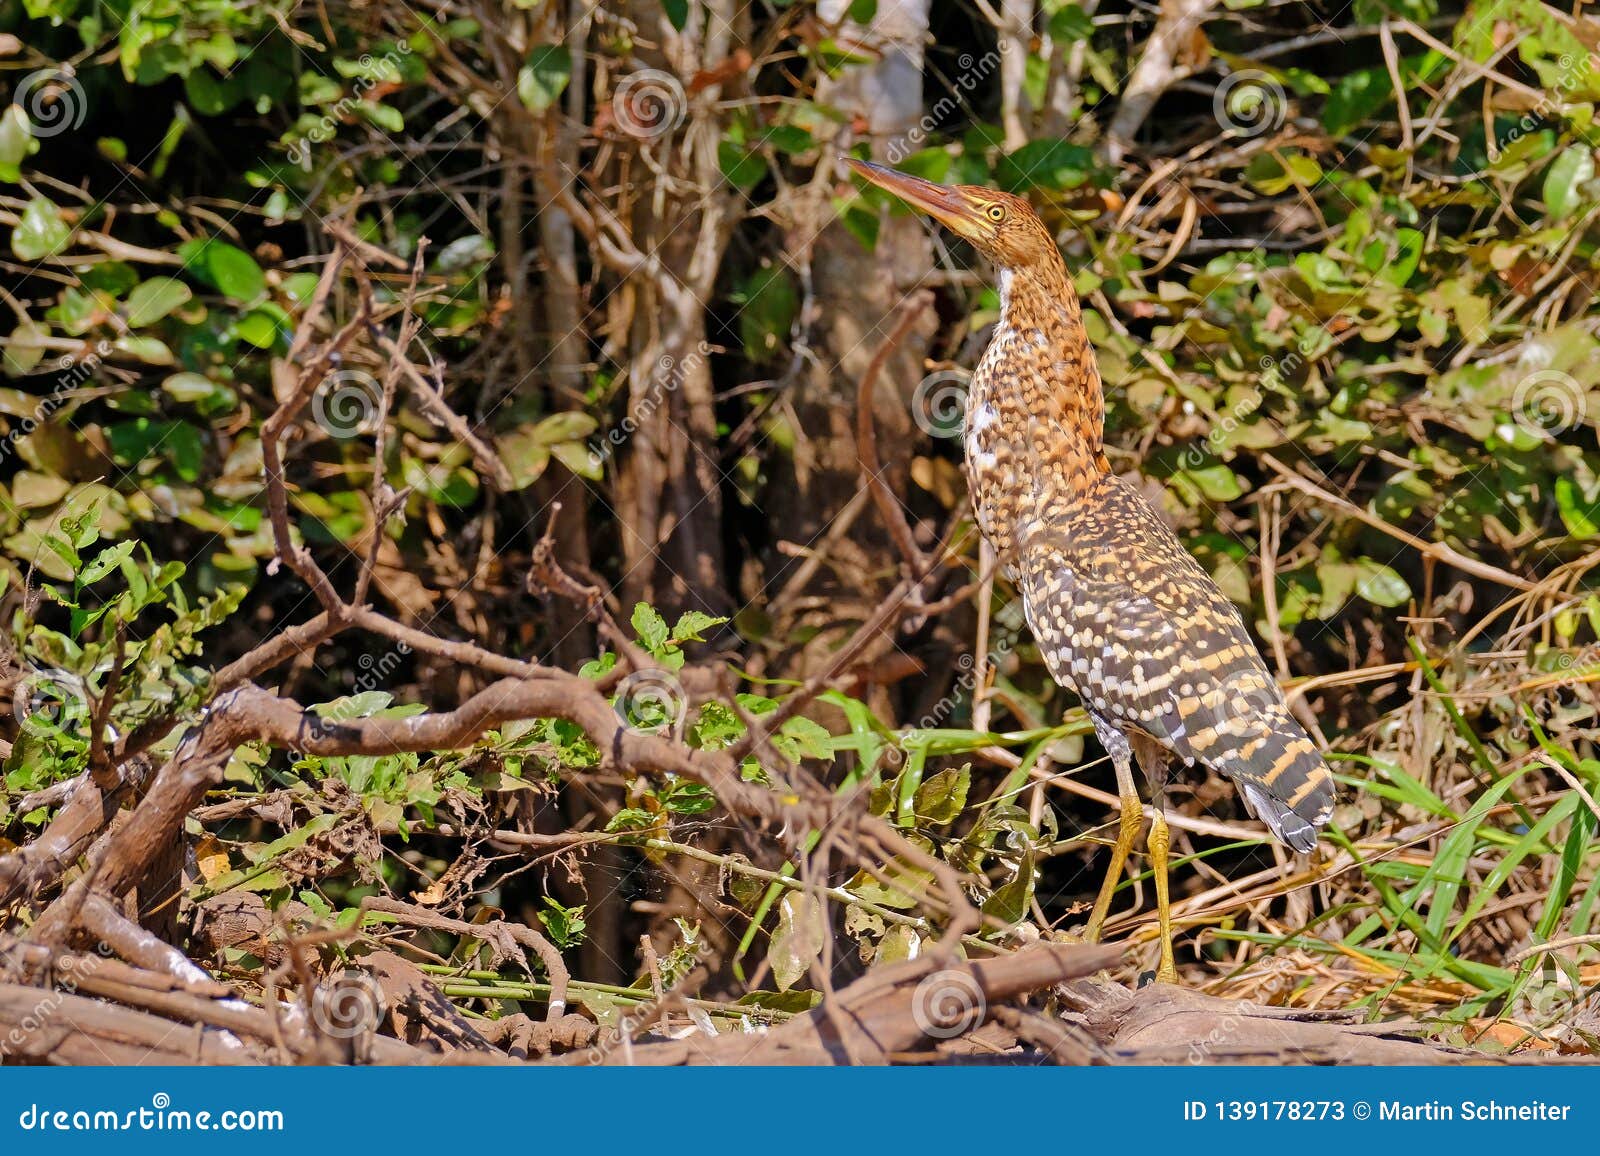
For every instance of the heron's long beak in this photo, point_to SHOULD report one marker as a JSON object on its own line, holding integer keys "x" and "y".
{"x": 943, "y": 204}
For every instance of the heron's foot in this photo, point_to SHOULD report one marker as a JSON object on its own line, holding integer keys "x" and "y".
{"x": 1082, "y": 934}
{"x": 1128, "y": 824}
{"x": 1159, "y": 845}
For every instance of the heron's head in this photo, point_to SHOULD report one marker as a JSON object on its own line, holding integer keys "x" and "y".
{"x": 1002, "y": 227}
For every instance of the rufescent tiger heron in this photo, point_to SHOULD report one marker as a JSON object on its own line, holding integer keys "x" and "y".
{"x": 1122, "y": 613}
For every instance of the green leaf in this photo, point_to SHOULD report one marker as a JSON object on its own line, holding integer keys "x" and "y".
{"x": 768, "y": 301}
{"x": 565, "y": 924}
{"x": 198, "y": 390}
{"x": 258, "y": 328}
{"x": 633, "y": 819}
{"x": 942, "y": 798}
{"x": 693, "y": 625}
{"x": 788, "y": 138}
{"x": 525, "y": 454}
{"x": 23, "y": 352}
{"x": 386, "y": 118}
{"x": 793, "y": 1002}
{"x": 1579, "y": 513}
{"x": 580, "y": 459}
{"x": 1380, "y": 585}
{"x": 677, "y": 12}
{"x": 543, "y": 76}
{"x": 1009, "y": 904}
{"x": 209, "y": 95}
{"x": 1354, "y": 98}
{"x": 716, "y": 726}
{"x": 686, "y": 798}
{"x": 1398, "y": 270}
{"x": 449, "y": 485}
{"x": 263, "y": 857}
{"x": 805, "y": 739}
{"x": 1046, "y": 164}
{"x": 41, "y": 231}
{"x": 150, "y": 350}
{"x": 743, "y": 168}
{"x": 154, "y": 299}
{"x": 796, "y": 944}
{"x": 464, "y": 253}
{"x": 1573, "y": 853}
{"x": 106, "y": 561}
{"x": 1572, "y": 169}
{"x": 650, "y": 627}
{"x": 226, "y": 268}
{"x": 1070, "y": 24}
{"x": 299, "y": 288}
{"x": 16, "y": 141}
{"x": 1274, "y": 173}
{"x": 1218, "y": 482}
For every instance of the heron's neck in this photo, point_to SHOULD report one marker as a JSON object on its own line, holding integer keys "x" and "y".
{"x": 1039, "y": 370}
{"x": 1035, "y": 414}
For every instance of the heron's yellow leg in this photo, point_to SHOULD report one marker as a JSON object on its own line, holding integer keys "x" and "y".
{"x": 1159, "y": 844}
{"x": 1127, "y": 830}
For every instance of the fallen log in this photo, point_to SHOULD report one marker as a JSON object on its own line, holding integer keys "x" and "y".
{"x": 891, "y": 1013}
{"x": 1163, "y": 1024}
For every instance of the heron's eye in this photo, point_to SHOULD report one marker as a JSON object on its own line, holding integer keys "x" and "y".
{"x": 997, "y": 213}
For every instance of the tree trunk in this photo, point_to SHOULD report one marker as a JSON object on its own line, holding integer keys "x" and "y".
{"x": 857, "y": 292}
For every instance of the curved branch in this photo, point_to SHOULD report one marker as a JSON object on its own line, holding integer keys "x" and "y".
{"x": 867, "y": 436}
